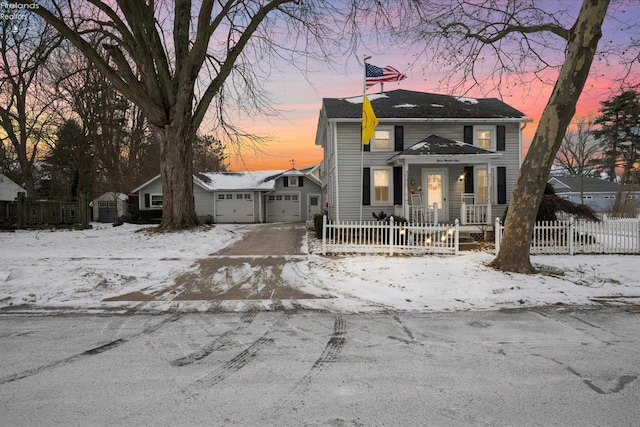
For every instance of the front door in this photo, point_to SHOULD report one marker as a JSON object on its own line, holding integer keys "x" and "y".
{"x": 434, "y": 188}
{"x": 313, "y": 205}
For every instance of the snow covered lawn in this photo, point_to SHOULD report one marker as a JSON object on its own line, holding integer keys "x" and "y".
{"x": 80, "y": 269}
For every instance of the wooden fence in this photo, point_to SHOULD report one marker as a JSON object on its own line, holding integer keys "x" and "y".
{"x": 389, "y": 237}
{"x": 26, "y": 213}
{"x": 609, "y": 236}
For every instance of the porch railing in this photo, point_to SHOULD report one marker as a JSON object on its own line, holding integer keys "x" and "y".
{"x": 471, "y": 213}
{"x": 420, "y": 214}
{"x": 389, "y": 237}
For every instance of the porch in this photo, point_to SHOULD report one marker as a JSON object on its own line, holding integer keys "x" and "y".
{"x": 445, "y": 180}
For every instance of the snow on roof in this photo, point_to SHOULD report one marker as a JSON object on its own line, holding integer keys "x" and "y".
{"x": 251, "y": 180}
{"x": 467, "y": 100}
{"x": 358, "y": 99}
{"x": 405, "y": 106}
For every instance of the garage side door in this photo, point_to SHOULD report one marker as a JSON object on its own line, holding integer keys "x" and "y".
{"x": 283, "y": 207}
{"x": 234, "y": 207}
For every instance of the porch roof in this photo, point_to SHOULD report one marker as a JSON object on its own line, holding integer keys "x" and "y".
{"x": 439, "y": 149}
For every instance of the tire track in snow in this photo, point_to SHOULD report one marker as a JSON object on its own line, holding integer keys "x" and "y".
{"x": 241, "y": 359}
{"x": 91, "y": 352}
{"x": 246, "y": 319}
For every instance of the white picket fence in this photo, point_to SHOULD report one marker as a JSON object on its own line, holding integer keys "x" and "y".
{"x": 609, "y": 236}
{"x": 389, "y": 237}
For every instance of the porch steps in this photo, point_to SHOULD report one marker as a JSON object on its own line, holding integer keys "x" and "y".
{"x": 472, "y": 240}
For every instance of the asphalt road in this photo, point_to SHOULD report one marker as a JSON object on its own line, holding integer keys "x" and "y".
{"x": 295, "y": 368}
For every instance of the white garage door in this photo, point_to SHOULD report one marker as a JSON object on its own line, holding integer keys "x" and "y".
{"x": 283, "y": 207}
{"x": 234, "y": 207}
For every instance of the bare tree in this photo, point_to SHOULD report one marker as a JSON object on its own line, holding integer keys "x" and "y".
{"x": 113, "y": 125}
{"x": 26, "y": 105}
{"x": 175, "y": 59}
{"x": 579, "y": 154}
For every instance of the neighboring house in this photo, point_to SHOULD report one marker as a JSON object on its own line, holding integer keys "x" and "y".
{"x": 8, "y": 195}
{"x": 431, "y": 153}
{"x": 9, "y": 190}
{"x": 246, "y": 197}
{"x": 598, "y": 194}
{"x": 110, "y": 207}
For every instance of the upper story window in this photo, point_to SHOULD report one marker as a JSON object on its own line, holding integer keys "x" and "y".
{"x": 293, "y": 181}
{"x": 488, "y": 137}
{"x": 383, "y": 138}
{"x": 485, "y": 137}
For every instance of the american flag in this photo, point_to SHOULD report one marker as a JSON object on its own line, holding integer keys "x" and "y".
{"x": 375, "y": 75}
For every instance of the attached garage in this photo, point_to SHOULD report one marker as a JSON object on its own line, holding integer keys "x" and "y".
{"x": 234, "y": 207}
{"x": 283, "y": 207}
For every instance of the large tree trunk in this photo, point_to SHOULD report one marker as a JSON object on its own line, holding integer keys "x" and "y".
{"x": 176, "y": 171}
{"x": 534, "y": 173}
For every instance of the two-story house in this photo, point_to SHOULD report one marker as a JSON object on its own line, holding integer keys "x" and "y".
{"x": 432, "y": 158}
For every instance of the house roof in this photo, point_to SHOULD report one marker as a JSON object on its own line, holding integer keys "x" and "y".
{"x": 110, "y": 195}
{"x": 411, "y": 104}
{"x": 8, "y": 189}
{"x": 437, "y": 145}
{"x": 251, "y": 180}
{"x": 572, "y": 184}
{"x": 227, "y": 181}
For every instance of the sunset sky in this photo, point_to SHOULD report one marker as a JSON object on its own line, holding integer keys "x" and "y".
{"x": 299, "y": 99}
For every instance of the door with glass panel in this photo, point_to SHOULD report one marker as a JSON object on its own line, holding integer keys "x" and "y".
{"x": 434, "y": 189}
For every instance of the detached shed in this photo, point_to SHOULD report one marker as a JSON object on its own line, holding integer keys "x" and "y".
{"x": 110, "y": 207}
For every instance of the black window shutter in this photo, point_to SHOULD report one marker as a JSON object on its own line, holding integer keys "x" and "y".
{"x": 367, "y": 147}
{"x": 147, "y": 200}
{"x": 501, "y": 138}
{"x": 366, "y": 186}
{"x": 300, "y": 181}
{"x": 468, "y": 134}
{"x": 398, "y": 138}
{"x": 468, "y": 179}
{"x": 285, "y": 181}
{"x": 502, "y": 185}
{"x": 397, "y": 185}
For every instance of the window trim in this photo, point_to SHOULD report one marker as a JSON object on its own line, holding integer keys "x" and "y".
{"x": 153, "y": 205}
{"x": 384, "y": 128}
{"x": 494, "y": 136}
{"x": 389, "y": 186}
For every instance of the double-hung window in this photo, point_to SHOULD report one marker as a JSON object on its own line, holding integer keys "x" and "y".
{"x": 381, "y": 186}
{"x": 383, "y": 138}
{"x": 485, "y": 137}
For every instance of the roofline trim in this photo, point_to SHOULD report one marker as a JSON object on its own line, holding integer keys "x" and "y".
{"x": 435, "y": 119}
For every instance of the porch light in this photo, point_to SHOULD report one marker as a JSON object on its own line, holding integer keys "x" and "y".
{"x": 461, "y": 177}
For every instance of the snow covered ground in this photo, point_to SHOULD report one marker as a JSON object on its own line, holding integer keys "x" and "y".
{"x": 79, "y": 269}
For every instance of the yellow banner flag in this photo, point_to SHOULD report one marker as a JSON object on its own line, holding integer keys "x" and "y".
{"x": 369, "y": 121}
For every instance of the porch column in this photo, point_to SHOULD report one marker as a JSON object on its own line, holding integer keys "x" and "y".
{"x": 487, "y": 220}
{"x": 405, "y": 192}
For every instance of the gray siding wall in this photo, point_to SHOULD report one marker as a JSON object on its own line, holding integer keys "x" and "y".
{"x": 308, "y": 187}
{"x": 349, "y": 169}
{"x": 154, "y": 187}
{"x": 204, "y": 204}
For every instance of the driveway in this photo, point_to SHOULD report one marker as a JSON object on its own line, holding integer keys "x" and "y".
{"x": 264, "y": 265}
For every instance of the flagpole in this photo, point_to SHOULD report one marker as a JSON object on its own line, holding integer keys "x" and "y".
{"x": 364, "y": 93}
